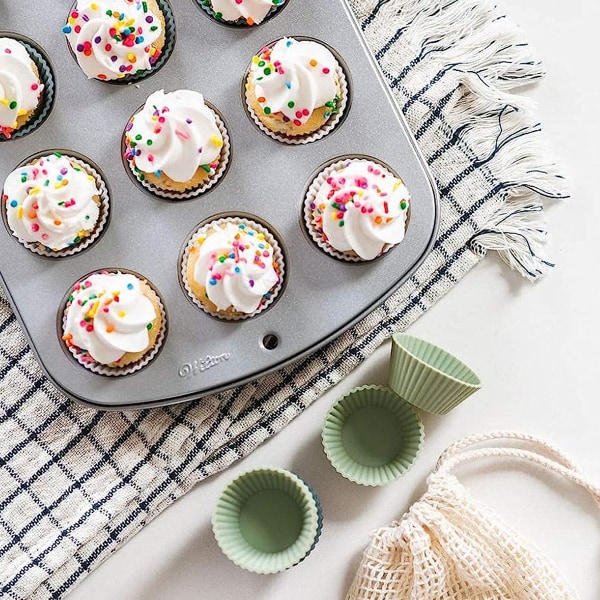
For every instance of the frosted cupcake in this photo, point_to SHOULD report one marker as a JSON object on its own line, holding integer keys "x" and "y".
{"x": 115, "y": 40}
{"x": 176, "y": 145}
{"x": 113, "y": 322}
{"x": 21, "y": 87}
{"x": 241, "y": 12}
{"x": 232, "y": 268}
{"x": 56, "y": 205}
{"x": 356, "y": 209}
{"x": 295, "y": 90}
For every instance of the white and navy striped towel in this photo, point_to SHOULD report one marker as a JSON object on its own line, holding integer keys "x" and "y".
{"x": 76, "y": 483}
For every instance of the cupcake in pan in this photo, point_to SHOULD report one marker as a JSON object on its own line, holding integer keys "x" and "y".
{"x": 176, "y": 145}
{"x": 232, "y": 268}
{"x": 356, "y": 209}
{"x": 244, "y": 13}
{"x": 296, "y": 90}
{"x": 56, "y": 204}
{"x": 120, "y": 40}
{"x": 26, "y": 86}
{"x": 113, "y": 322}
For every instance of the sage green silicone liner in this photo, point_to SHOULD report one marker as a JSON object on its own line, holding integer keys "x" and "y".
{"x": 251, "y": 514}
{"x": 372, "y": 436}
{"x": 429, "y": 377}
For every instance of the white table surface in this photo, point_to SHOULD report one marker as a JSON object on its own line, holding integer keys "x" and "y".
{"x": 536, "y": 348}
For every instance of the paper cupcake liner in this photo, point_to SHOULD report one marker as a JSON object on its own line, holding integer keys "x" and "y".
{"x": 378, "y": 447}
{"x": 84, "y": 359}
{"x": 240, "y": 23}
{"x": 428, "y": 376}
{"x": 310, "y": 199}
{"x": 224, "y": 159}
{"x": 277, "y": 258}
{"x": 169, "y": 45}
{"x": 167, "y": 49}
{"x": 42, "y": 62}
{"x": 325, "y": 129}
{"x": 298, "y": 532}
{"x": 103, "y": 217}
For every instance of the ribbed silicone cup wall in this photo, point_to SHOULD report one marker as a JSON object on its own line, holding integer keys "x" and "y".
{"x": 429, "y": 377}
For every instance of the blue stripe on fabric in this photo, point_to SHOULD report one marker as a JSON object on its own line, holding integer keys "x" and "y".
{"x": 85, "y": 564}
{"x": 75, "y": 484}
{"x": 31, "y": 437}
{"x": 10, "y": 320}
{"x": 13, "y": 361}
{"x": 143, "y": 503}
{"x": 97, "y": 505}
{"x": 34, "y": 387}
{"x": 46, "y": 466}
{"x": 22, "y": 547}
{"x": 366, "y": 22}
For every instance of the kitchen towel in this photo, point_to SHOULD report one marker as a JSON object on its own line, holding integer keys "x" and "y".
{"x": 76, "y": 483}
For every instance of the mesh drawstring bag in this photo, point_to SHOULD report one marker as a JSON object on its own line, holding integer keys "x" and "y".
{"x": 450, "y": 546}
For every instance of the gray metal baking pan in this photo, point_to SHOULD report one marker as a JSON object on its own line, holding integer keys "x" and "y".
{"x": 322, "y": 296}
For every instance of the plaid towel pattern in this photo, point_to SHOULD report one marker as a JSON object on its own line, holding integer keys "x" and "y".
{"x": 76, "y": 483}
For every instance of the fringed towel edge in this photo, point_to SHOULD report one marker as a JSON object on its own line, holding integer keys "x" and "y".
{"x": 497, "y": 126}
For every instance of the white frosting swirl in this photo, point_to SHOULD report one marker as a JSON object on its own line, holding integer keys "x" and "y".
{"x": 294, "y": 78}
{"x": 20, "y": 86}
{"x": 362, "y": 207}
{"x": 108, "y": 315}
{"x": 235, "y": 265}
{"x": 112, "y": 39}
{"x": 52, "y": 201}
{"x": 174, "y": 133}
{"x": 251, "y": 11}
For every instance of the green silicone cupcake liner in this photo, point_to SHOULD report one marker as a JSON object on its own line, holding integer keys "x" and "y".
{"x": 428, "y": 376}
{"x": 372, "y": 436}
{"x": 267, "y": 520}
{"x": 206, "y": 7}
{"x": 42, "y": 62}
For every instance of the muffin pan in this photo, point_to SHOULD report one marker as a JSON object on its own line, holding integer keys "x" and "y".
{"x": 266, "y": 180}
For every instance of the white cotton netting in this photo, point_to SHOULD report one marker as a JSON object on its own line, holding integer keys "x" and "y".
{"x": 448, "y": 546}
